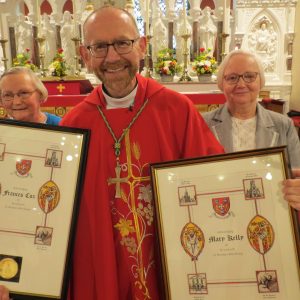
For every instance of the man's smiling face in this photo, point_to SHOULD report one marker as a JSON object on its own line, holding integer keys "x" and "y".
{"x": 116, "y": 71}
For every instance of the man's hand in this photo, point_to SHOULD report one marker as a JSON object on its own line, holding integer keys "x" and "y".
{"x": 291, "y": 189}
{"x": 4, "y": 293}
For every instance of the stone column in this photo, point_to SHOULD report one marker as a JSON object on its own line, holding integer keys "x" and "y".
{"x": 171, "y": 16}
{"x": 195, "y": 12}
{"x": 219, "y": 41}
{"x": 289, "y": 59}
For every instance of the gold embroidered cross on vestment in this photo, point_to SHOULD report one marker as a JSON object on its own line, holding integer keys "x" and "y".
{"x": 117, "y": 147}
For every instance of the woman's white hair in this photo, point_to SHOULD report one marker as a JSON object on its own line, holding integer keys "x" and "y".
{"x": 223, "y": 65}
{"x": 35, "y": 80}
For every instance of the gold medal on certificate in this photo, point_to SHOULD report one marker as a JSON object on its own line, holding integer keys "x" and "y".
{"x": 8, "y": 268}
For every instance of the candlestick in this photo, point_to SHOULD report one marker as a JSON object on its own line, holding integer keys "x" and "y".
{"x": 147, "y": 18}
{"x": 185, "y": 76}
{"x": 41, "y": 45}
{"x": 76, "y": 41}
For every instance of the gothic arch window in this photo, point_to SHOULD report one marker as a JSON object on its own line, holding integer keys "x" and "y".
{"x": 26, "y": 10}
{"x": 138, "y": 15}
{"x": 163, "y": 8}
{"x": 209, "y": 3}
{"x": 68, "y": 6}
{"x": 46, "y": 8}
{"x": 179, "y": 5}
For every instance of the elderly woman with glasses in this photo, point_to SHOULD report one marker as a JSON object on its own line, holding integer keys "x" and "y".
{"x": 242, "y": 123}
{"x": 21, "y": 94}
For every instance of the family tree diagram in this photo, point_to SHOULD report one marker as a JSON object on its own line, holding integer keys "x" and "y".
{"x": 19, "y": 197}
{"x": 259, "y": 233}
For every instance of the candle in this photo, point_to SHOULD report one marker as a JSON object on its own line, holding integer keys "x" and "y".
{"x": 38, "y": 11}
{"x": 74, "y": 9}
{"x": 226, "y": 16}
{"x": 1, "y": 27}
{"x": 184, "y": 17}
{"x": 147, "y": 18}
{"x": 75, "y": 29}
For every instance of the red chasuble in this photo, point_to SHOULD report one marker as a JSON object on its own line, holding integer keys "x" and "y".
{"x": 115, "y": 249}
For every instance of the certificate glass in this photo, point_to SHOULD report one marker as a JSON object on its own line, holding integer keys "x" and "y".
{"x": 41, "y": 171}
{"x": 225, "y": 231}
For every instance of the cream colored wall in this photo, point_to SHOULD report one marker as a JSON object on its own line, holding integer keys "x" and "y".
{"x": 295, "y": 95}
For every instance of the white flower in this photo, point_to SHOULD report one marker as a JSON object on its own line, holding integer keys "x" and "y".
{"x": 207, "y": 63}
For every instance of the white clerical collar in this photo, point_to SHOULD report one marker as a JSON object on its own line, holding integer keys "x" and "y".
{"x": 124, "y": 102}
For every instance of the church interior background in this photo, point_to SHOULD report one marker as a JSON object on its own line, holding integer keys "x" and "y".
{"x": 35, "y": 30}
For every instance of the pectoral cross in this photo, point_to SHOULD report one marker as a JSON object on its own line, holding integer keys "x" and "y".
{"x": 117, "y": 180}
{"x": 117, "y": 147}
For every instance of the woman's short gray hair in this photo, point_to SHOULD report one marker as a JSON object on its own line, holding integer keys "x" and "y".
{"x": 223, "y": 65}
{"x": 35, "y": 79}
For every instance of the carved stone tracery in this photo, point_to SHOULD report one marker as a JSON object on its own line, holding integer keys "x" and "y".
{"x": 263, "y": 40}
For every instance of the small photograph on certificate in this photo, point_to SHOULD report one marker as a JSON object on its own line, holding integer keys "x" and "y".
{"x": 225, "y": 232}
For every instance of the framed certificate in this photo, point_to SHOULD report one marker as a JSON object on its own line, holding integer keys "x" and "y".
{"x": 41, "y": 172}
{"x": 225, "y": 231}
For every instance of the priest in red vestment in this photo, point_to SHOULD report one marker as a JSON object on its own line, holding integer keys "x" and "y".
{"x": 134, "y": 121}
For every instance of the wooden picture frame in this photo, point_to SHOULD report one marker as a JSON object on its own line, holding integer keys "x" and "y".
{"x": 41, "y": 174}
{"x": 224, "y": 230}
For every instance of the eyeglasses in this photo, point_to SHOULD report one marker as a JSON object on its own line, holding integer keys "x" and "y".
{"x": 100, "y": 50}
{"x": 248, "y": 77}
{"x": 8, "y": 97}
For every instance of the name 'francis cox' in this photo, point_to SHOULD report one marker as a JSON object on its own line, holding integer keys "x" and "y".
{"x": 17, "y": 194}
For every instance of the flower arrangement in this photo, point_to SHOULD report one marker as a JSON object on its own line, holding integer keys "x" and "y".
{"x": 24, "y": 60}
{"x": 58, "y": 66}
{"x": 166, "y": 64}
{"x": 204, "y": 63}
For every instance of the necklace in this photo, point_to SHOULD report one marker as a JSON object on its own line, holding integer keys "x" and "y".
{"x": 117, "y": 145}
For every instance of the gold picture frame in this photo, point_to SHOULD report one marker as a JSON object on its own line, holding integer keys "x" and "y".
{"x": 225, "y": 232}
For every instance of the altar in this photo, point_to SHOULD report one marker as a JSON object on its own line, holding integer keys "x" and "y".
{"x": 61, "y": 104}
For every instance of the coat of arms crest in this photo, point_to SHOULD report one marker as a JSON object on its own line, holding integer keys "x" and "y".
{"x": 23, "y": 167}
{"x": 221, "y": 205}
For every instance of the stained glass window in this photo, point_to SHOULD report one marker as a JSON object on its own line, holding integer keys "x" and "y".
{"x": 163, "y": 7}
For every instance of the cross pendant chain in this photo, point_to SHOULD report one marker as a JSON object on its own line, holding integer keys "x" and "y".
{"x": 117, "y": 148}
